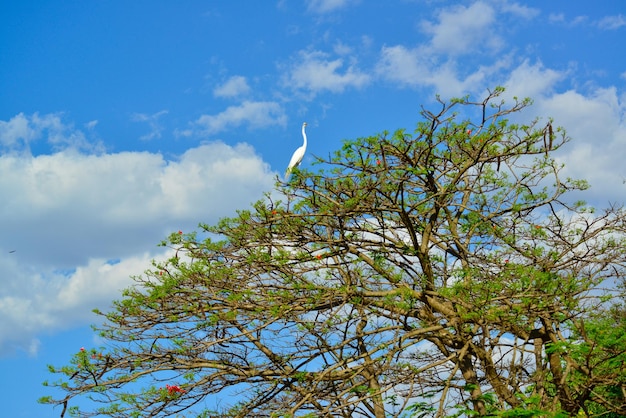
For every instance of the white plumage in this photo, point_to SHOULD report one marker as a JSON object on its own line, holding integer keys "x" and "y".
{"x": 297, "y": 156}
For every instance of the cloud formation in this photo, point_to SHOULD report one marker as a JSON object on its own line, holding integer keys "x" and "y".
{"x": 233, "y": 87}
{"x": 21, "y": 131}
{"x": 612, "y": 22}
{"x": 313, "y": 72}
{"x": 156, "y": 129}
{"x": 255, "y": 114}
{"x": 75, "y": 225}
{"x": 416, "y": 69}
{"x": 35, "y": 302}
{"x": 597, "y": 124}
{"x": 471, "y": 34}
{"x": 462, "y": 30}
{"x": 81, "y": 220}
{"x": 327, "y": 6}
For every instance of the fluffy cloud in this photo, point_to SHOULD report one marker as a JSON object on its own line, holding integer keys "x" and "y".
{"x": 153, "y": 122}
{"x": 469, "y": 34}
{"x": 597, "y": 124}
{"x": 403, "y": 65}
{"x": 612, "y": 22}
{"x": 595, "y": 121}
{"x": 519, "y": 10}
{"x": 314, "y": 71}
{"x": 463, "y": 30}
{"x": 35, "y": 302}
{"x": 253, "y": 114}
{"x": 56, "y": 203}
{"x": 416, "y": 68}
{"x": 17, "y": 129}
{"x": 327, "y": 6}
{"x": 19, "y": 132}
{"x": 75, "y": 225}
{"x": 233, "y": 87}
{"x": 531, "y": 80}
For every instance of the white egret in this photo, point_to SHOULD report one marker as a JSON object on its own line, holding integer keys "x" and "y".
{"x": 297, "y": 156}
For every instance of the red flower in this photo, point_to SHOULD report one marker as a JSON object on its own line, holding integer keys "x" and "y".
{"x": 274, "y": 212}
{"x": 469, "y": 131}
{"x": 377, "y": 162}
{"x": 82, "y": 349}
{"x": 174, "y": 389}
{"x": 180, "y": 232}
{"x": 319, "y": 256}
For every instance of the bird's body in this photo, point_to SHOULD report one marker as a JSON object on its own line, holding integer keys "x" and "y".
{"x": 297, "y": 156}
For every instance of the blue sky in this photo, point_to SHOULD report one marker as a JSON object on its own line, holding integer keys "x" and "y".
{"x": 121, "y": 122}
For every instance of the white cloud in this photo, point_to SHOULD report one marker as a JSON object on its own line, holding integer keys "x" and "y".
{"x": 469, "y": 33}
{"x": 531, "y": 80}
{"x": 597, "y": 124}
{"x": 560, "y": 18}
{"x": 403, "y": 65}
{"x": 72, "y": 198}
{"x": 612, "y": 22}
{"x": 327, "y": 6}
{"x": 606, "y": 23}
{"x": 254, "y": 114}
{"x": 233, "y": 87}
{"x": 156, "y": 128}
{"x": 91, "y": 124}
{"x": 20, "y": 131}
{"x": 595, "y": 120}
{"x": 578, "y": 20}
{"x": 314, "y": 71}
{"x": 416, "y": 68}
{"x": 342, "y": 49}
{"x": 462, "y": 30}
{"x": 33, "y": 302}
{"x": 65, "y": 215}
{"x": 556, "y": 17}
{"x": 518, "y": 10}
{"x": 17, "y": 129}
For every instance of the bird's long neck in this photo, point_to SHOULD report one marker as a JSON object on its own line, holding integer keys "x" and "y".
{"x": 304, "y": 135}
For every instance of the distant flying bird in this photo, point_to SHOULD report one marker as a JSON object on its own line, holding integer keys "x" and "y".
{"x": 297, "y": 156}
{"x": 11, "y": 252}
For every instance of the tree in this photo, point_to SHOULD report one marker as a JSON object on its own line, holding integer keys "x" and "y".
{"x": 436, "y": 273}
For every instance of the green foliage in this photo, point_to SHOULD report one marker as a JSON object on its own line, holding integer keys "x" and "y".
{"x": 438, "y": 271}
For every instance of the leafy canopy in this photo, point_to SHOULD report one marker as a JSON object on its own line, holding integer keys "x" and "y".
{"x": 438, "y": 272}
